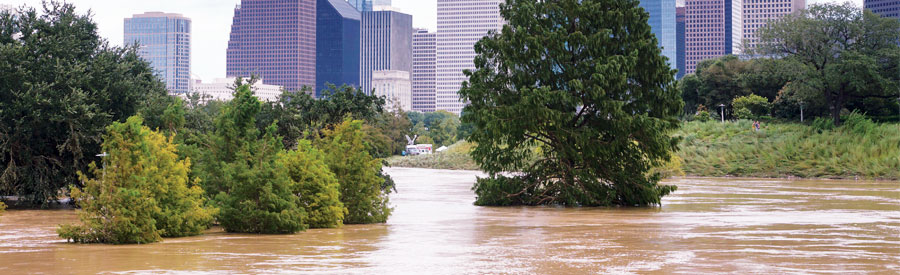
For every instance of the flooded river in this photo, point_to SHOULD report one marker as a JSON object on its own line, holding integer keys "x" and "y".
{"x": 707, "y": 226}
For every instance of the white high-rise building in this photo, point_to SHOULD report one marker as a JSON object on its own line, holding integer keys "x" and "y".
{"x": 222, "y": 89}
{"x": 423, "y": 71}
{"x": 6, "y": 7}
{"x": 395, "y": 86}
{"x": 460, "y": 24}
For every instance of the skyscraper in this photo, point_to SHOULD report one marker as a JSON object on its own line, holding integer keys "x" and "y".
{"x": 712, "y": 29}
{"x": 757, "y": 12}
{"x": 424, "y": 61}
{"x": 662, "y": 24}
{"x": 460, "y": 24}
{"x": 385, "y": 44}
{"x": 337, "y": 44}
{"x": 885, "y": 8}
{"x": 368, "y": 5}
{"x": 164, "y": 40}
{"x": 275, "y": 40}
{"x": 679, "y": 38}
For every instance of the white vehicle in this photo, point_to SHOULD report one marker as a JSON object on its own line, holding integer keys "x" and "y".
{"x": 418, "y": 149}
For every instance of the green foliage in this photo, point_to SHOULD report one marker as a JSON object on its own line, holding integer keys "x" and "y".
{"x": 143, "y": 195}
{"x": 296, "y": 113}
{"x": 702, "y": 116}
{"x": 2, "y": 208}
{"x": 744, "y": 113}
{"x": 316, "y": 185}
{"x": 362, "y": 189}
{"x": 240, "y": 169}
{"x": 391, "y": 127}
{"x": 60, "y": 85}
{"x": 582, "y": 84}
{"x": 441, "y": 127}
{"x": 859, "y": 148}
{"x": 849, "y": 56}
{"x": 751, "y": 107}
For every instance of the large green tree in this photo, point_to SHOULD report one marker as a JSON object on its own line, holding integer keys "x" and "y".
{"x": 144, "y": 193}
{"x": 584, "y": 81}
{"x": 363, "y": 188}
{"x": 298, "y": 113}
{"x": 850, "y": 56}
{"x": 240, "y": 169}
{"x": 60, "y": 85}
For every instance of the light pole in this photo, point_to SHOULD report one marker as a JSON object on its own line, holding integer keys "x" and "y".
{"x": 801, "y": 110}
{"x": 722, "y": 112}
{"x": 102, "y": 158}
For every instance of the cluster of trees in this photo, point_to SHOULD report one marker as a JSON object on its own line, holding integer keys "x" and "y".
{"x": 440, "y": 128}
{"x": 173, "y": 167}
{"x": 831, "y": 59}
{"x": 582, "y": 81}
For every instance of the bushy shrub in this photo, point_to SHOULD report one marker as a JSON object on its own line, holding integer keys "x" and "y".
{"x": 142, "y": 195}
{"x": 357, "y": 173}
{"x": 743, "y": 113}
{"x": 240, "y": 168}
{"x": 2, "y": 208}
{"x": 702, "y": 116}
{"x": 316, "y": 185}
{"x": 754, "y": 105}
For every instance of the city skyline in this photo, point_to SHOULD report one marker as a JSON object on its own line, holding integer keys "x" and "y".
{"x": 212, "y": 21}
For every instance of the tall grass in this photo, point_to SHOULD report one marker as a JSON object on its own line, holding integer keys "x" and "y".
{"x": 456, "y": 157}
{"x": 858, "y": 149}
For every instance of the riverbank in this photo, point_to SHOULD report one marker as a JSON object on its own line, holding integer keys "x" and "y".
{"x": 456, "y": 157}
{"x": 860, "y": 149}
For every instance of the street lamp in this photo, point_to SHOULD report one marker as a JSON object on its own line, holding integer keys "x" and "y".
{"x": 722, "y": 112}
{"x": 102, "y": 157}
{"x": 801, "y": 110}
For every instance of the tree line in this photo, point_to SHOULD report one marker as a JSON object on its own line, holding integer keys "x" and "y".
{"x": 829, "y": 60}
{"x": 171, "y": 166}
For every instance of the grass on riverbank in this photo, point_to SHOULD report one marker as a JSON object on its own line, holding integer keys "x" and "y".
{"x": 859, "y": 148}
{"x": 455, "y": 158}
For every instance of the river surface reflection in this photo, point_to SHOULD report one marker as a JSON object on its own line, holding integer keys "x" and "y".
{"x": 708, "y": 226}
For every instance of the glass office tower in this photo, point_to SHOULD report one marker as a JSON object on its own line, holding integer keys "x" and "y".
{"x": 337, "y": 44}
{"x": 164, "y": 40}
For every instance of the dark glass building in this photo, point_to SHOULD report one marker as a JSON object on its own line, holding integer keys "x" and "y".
{"x": 385, "y": 44}
{"x": 679, "y": 42}
{"x": 275, "y": 39}
{"x": 337, "y": 44}
{"x": 885, "y": 8}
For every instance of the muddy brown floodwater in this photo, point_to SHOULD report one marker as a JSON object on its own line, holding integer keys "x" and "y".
{"x": 708, "y": 226}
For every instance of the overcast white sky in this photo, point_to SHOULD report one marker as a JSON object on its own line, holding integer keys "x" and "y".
{"x": 211, "y": 20}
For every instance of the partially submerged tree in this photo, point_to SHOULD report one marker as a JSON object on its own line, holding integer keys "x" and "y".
{"x": 60, "y": 85}
{"x": 240, "y": 170}
{"x": 363, "y": 191}
{"x": 142, "y": 193}
{"x": 850, "y": 55}
{"x": 584, "y": 81}
{"x": 315, "y": 184}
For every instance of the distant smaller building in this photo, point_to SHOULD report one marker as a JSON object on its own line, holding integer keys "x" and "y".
{"x": 395, "y": 86}
{"x": 222, "y": 89}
